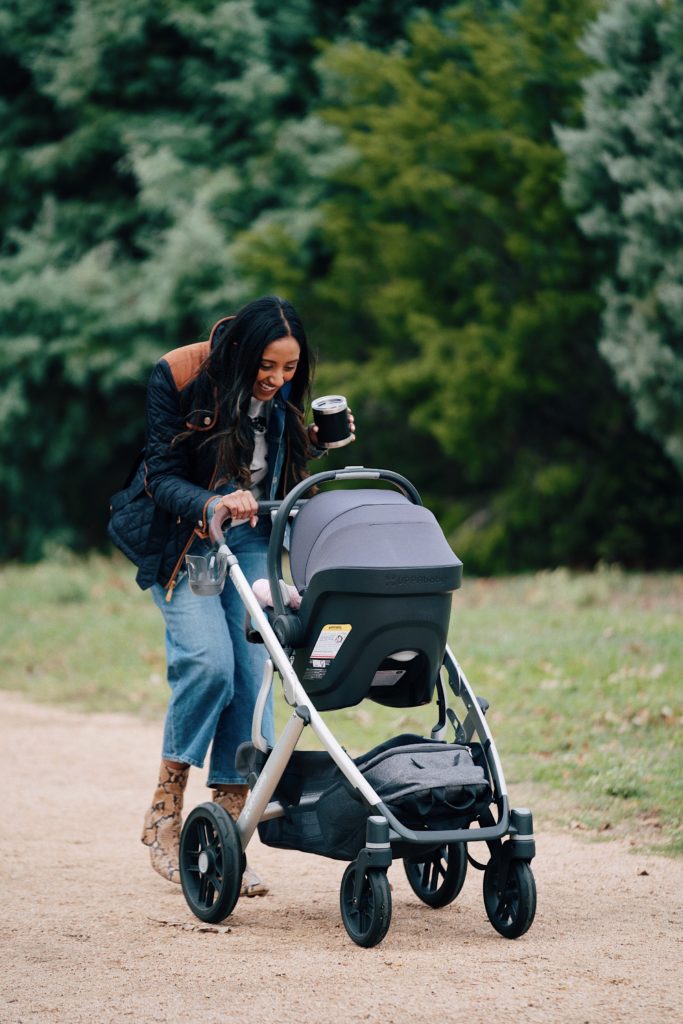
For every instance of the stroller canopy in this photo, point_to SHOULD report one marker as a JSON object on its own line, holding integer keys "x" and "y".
{"x": 368, "y": 529}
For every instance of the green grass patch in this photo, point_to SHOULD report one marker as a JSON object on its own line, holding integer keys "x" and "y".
{"x": 79, "y": 632}
{"x": 583, "y": 672}
{"x": 584, "y": 675}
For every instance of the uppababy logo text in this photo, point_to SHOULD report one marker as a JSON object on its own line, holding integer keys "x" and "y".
{"x": 395, "y": 579}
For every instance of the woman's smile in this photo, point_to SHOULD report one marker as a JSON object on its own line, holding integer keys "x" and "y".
{"x": 267, "y": 389}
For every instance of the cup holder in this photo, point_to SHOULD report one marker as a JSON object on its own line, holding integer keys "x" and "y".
{"x": 207, "y": 573}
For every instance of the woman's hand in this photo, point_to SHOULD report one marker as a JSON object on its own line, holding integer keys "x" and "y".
{"x": 241, "y": 505}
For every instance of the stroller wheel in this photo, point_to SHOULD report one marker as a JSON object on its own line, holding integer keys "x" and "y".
{"x": 438, "y": 878}
{"x": 511, "y": 908}
{"x": 366, "y": 919}
{"x": 211, "y": 862}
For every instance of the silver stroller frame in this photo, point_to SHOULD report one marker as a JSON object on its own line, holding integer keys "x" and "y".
{"x": 509, "y": 888}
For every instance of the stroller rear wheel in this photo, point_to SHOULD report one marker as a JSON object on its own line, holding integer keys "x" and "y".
{"x": 438, "y": 878}
{"x": 368, "y": 917}
{"x": 510, "y": 907}
{"x": 211, "y": 862}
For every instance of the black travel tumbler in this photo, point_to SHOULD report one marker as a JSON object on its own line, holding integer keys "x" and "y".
{"x": 331, "y": 416}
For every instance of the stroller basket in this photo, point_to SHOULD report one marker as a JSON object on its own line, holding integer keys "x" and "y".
{"x": 427, "y": 784}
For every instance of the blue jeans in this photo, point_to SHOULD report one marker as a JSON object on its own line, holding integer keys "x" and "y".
{"x": 213, "y": 671}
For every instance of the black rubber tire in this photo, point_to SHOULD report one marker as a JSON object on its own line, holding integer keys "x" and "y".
{"x": 510, "y": 910}
{"x": 367, "y": 922}
{"x": 438, "y": 877}
{"x": 211, "y": 862}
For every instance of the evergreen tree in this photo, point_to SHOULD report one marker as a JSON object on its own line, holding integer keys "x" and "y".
{"x": 161, "y": 164}
{"x": 625, "y": 177}
{"x": 457, "y": 298}
{"x": 116, "y": 220}
{"x": 138, "y": 143}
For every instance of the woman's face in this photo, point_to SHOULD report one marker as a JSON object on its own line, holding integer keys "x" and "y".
{"x": 278, "y": 365}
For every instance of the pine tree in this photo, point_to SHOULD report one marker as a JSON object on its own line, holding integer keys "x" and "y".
{"x": 625, "y": 177}
{"x": 138, "y": 142}
{"x": 164, "y": 163}
{"x": 458, "y": 300}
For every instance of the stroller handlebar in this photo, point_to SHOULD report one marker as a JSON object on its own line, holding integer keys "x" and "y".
{"x": 222, "y": 515}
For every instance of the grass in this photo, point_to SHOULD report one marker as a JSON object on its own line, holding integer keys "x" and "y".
{"x": 583, "y": 672}
{"x": 584, "y": 675}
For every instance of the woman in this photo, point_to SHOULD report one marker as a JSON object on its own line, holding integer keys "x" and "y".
{"x": 224, "y": 428}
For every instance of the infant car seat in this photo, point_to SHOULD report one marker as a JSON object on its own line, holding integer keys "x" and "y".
{"x": 376, "y": 574}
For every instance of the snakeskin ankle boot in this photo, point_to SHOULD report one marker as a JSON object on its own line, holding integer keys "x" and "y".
{"x": 232, "y": 799}
{"x": 161, "y": 830}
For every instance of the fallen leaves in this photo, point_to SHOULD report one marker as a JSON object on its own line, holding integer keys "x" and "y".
{"x": 189, "y": 926}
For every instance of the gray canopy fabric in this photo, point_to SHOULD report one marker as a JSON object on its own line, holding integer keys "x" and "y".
{"x": 365, "y": 529}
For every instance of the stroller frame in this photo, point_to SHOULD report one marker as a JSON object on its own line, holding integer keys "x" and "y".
{"x": 212, "y": 849}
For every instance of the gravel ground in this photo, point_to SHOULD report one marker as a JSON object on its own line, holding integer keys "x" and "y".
{"x": 90, "y": 933}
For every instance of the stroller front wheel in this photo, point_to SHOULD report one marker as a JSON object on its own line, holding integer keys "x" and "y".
{"x": 438, "y": 877}
{"x": 211, "y": 862}
{"x": 511, "y": 906}
{"x": 366, "y": 918}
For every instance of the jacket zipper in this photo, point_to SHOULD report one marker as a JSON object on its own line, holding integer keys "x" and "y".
{"x": 171, "y": 585}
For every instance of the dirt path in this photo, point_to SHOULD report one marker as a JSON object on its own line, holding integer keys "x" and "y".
{"x": 90, "y": 933}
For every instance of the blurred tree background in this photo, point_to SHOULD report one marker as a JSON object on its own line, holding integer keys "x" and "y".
{"x": 476, "y": 207}
{"x": 625, "y": 177}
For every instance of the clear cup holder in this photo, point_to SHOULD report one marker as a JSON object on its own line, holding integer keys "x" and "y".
{"x": 206, "y": 573}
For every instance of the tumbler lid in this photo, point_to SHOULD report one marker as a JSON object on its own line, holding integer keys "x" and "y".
{"x": 329, "y": 404}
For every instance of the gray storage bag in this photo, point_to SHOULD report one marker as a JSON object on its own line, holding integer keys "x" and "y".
{"x": 425, "y": 783}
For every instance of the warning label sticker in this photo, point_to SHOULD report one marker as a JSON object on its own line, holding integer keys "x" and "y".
{"x": 329, "y": 643}
{"x": 315, "y": 673}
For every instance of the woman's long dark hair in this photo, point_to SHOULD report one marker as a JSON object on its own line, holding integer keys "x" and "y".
{"x": 225, "y": 384}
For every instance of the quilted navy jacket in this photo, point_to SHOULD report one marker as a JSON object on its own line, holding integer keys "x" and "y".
{"x": 157, "y": 516}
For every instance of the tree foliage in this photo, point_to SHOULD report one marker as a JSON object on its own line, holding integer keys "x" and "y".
{"x": 458, "y": 300}
{"x": 137, "y": 142}
{"x": 391, "y": 168}
{"x": 625, "y": 176}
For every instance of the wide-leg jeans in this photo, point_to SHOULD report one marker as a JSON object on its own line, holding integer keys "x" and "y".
{"x": 213, "y": 671}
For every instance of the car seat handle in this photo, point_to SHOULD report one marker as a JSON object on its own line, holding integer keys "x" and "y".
{"x": 295, "y": 495}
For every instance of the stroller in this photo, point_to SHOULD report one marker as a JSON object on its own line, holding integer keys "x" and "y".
{"x": 376, "y": 577}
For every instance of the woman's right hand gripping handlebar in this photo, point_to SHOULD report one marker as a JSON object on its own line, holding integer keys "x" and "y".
{"x": 238, "y": 506}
